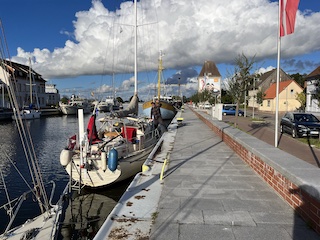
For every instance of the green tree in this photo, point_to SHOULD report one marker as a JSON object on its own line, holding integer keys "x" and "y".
{"x": 195, "y": 98}
{"x": 260, "y": 96}
{"x": 64, "y": 99}
{"x": 239, "y": 81}
{"x": 204, "y": 96}
{"x": 300, "y": 79}
{"x": 226, "y": 97}
{"x": 301, "y": 98}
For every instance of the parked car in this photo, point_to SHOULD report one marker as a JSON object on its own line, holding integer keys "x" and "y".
{"x": 231, "y": 110}
{"x": 207, "y": 106}
{"x": 300, "y": 124}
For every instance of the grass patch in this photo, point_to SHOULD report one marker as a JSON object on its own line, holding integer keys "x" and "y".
{"x": 258, "y": 120}
{"x": 315, "y": 142}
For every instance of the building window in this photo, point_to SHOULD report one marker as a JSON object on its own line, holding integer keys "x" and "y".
{"x": 268, "y": 103}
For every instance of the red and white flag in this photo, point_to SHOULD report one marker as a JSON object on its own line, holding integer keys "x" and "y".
{"x": 288, "y": 10}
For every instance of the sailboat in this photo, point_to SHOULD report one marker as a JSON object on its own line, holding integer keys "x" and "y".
{"x": 44, "y": 225}
{"x": 114, "y": 152}
{"x": 167, "y": 108}
{"x": 30, "y": 112}
{"x": 111, "y": 101}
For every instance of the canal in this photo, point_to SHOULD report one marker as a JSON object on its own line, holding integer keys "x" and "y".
{"x": 86, "y": 212}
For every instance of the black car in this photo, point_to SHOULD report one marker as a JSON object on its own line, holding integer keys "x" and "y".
{"x": 300, "y": 124}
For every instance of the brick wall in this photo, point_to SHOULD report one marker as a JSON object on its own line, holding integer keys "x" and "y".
{"x": 304, "y": 203}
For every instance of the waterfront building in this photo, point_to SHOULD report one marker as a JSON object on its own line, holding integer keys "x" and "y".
{"x": 18, "y": 76}
{"x": 53, "y": 95}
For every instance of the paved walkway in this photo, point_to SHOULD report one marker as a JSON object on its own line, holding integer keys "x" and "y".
{"x": 209, "y": 193}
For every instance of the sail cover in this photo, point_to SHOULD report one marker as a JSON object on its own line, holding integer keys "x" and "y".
{"x": 92, "y": 130}
{"x": 132, "y": 108}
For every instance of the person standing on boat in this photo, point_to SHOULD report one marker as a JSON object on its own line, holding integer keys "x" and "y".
{"x": 156, "y": 115}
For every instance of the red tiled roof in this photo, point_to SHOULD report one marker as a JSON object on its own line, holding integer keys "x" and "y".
{"x": 270, "y": 93}
{"x": 315, "y": 73}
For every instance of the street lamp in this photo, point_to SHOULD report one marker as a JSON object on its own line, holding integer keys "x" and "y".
{"x": 254, "y": 96}
{"x": 286, "y": 99}
{"x": 245, "y": 103}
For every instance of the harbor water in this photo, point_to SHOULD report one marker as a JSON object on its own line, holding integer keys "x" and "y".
{"x": 85, "y": 213}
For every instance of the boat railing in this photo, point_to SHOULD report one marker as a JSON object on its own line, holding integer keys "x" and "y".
{"x": 13, "y": 206}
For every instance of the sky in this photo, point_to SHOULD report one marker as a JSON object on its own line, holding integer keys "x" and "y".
{"x": 86, "y": 47}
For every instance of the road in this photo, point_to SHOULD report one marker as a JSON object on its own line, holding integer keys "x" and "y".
{"x": 265, "y": 131}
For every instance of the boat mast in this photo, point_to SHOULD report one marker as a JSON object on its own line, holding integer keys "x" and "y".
{"x": 113, "y": 88}
{"x": 135, "y": 49}
{"x": 159, "y": 73}
{"x": 30, "y": 82}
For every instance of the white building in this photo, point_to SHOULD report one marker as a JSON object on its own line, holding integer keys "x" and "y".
{"x": 53, "y": 96}
{"x": 312, "y": 81}
{"x": 209, "y": 78}
{"x": 29, "y": 86}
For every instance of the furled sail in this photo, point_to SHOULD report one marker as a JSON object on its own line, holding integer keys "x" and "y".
{"x": 132, "y": 108}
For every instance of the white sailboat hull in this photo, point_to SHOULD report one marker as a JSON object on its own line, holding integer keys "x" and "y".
{"x": 73, "y": 110}
{"x": 104, "y": 107}
{"x": 117, "y": 156}
{"x": 28, "y": 114}
{"x": 74, "y": 104}
{"x": 94, "y": 176}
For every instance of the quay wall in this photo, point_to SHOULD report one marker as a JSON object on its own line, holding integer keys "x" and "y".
{"x": 295, "y": 181}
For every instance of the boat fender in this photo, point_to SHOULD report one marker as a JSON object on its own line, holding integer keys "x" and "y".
{"x": 113, "y": 159}
{"x": 65, "y": 157}
{"x": 103, "y": 160}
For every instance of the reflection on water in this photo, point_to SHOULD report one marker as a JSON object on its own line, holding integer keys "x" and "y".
{"x": 49, "y": 135}
{"x": 86, "y": 212}
{"x": 85, "y": 215}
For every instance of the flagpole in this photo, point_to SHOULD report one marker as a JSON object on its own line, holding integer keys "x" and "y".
{"x": 278, "y": 80}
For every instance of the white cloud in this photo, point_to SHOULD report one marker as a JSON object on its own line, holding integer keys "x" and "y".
{"x": 264, "y": 70}
{"x": 189, "y": 32}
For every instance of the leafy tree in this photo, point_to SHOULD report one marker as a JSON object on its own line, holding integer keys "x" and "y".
{"x": 226, "y": 97}
{"x": 239, "y": 81}
{"x": 301, "y": 98}
{"x": 195, "y": 98}
{"x": 204, "y": 96}
{"x": 260, "y": 96}
{"x": 299, "y": 78}
{"x": 64, "y": 99}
